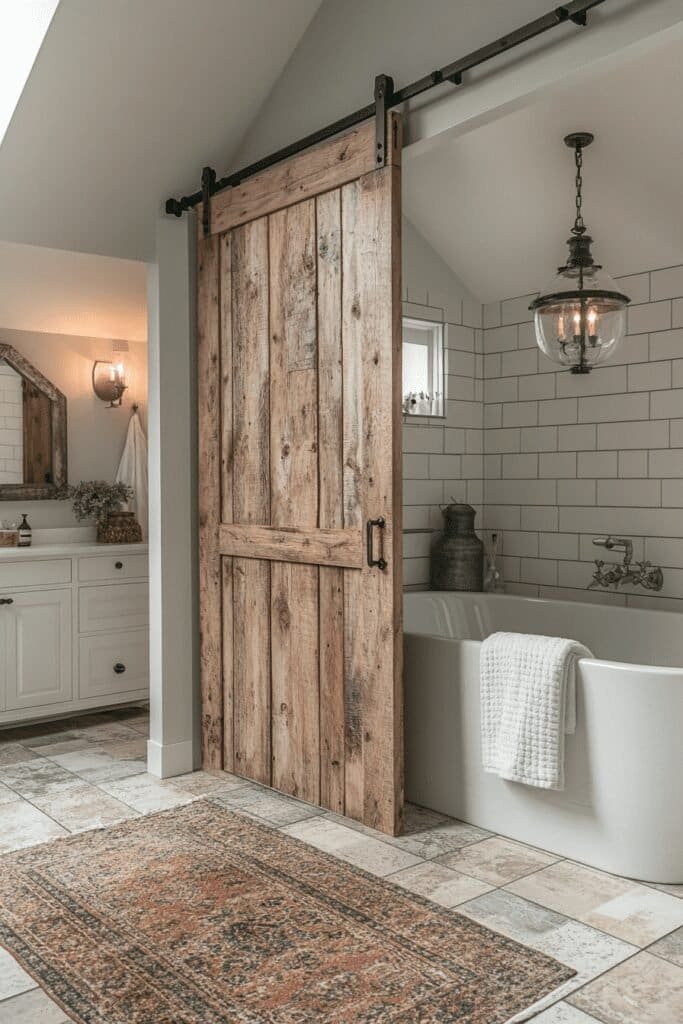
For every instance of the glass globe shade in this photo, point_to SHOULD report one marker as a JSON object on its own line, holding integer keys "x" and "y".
{"x": 580, "y": 318}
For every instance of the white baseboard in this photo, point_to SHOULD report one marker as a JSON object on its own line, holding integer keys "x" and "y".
{"x": 168, "y": 759}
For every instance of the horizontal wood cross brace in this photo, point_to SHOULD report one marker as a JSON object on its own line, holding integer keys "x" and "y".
{"x": 309, "y": 547}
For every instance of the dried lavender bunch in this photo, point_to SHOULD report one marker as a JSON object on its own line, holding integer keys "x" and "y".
{"x": 97, "y": 499}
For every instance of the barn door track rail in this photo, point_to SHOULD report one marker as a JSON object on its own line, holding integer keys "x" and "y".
{"x": 385, "y": 98}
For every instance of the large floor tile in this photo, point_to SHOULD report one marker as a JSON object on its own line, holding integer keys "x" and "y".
{"x": 670, "y": 947}
{"x": 497, "y": 860}
{"x": 373, "y": 855}
{"x": 145, "y": 793}
{"x": 85, "y": 807}
{"x": 426, "y": 833}
{"x": 633, "y": 912}
{"x": 15, "y": 753}
{"x": 22, "y": 824}
{"x": 7, "y": 795}
{"x": 439, "y": 883}
{"x": 588, "y": 951}
{"x": 33, "y": 1007}
{"x": 266, "y": 805}
{"x": 643, "y": 990}
{"x": 512, "y": 916}
{"x": 672, "y": 890}
{"x": 206, "y": 783}
{"x": 97, "y": 764}
{"x": 37, "y": 778}
{"x": 13, "y": 978}
{"x": 564, "y": 1013}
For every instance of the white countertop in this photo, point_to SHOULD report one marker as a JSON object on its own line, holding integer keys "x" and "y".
{"x": 71, "y": 550}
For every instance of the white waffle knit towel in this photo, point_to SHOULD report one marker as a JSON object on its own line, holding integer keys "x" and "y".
{"x": 528, "y": 703}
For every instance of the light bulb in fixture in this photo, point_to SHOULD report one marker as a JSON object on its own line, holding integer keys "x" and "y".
{"x": 109, "y": 382}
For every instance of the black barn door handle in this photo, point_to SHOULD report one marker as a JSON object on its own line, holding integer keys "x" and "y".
{"x": 381, "y": 562}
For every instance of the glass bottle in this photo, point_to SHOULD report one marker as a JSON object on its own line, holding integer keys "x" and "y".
{"x": 25, "y": 532}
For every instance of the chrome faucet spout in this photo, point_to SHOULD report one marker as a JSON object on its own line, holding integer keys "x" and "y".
{"x": 624, "y": 544}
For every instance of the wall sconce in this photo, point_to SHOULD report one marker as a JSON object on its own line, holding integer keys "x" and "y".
{"x": 109, "y": 382}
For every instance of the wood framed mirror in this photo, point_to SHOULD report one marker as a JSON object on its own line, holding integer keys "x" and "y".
{"x": 33, "y": 460}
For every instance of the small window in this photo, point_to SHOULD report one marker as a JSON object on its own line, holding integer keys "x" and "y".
{"x": 423, "y": 375}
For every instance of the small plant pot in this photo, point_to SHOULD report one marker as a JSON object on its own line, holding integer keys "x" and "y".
{"x": 119, "y": 528}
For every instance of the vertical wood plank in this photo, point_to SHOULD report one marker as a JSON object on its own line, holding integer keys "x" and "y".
{"x": 352, "y": 344}
{"x": 294, "y": 499}
{"x": 295, "y": 724}
{"x": 293, "y": 367}
{"x": 373, "y": 688}
{"x": 251, "y": 668}
{"x": 251, "y": 499}
{"x": 226, "y": 494}
{"x": 210, "y": 598}
{"x": 250, "y": 366}
{"x": 331, "y": 513}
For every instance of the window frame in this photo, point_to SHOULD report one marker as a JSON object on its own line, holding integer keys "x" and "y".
{"x": 435, "y": 341}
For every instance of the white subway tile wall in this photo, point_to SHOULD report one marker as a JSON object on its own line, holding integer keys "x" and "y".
{"x": 548, "y": 458}
{"x": 443, "y": 458}
{"x": 11, "y": 427}
{"x": 569, "y": 457}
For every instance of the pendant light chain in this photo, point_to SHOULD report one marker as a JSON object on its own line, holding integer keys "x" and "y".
{"x": 579, "y": 226}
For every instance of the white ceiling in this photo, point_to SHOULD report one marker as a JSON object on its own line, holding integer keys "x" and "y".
{"x": 126, "y": 102}
{"x": 57, "y": 292}
{"x": 497, "y": 204}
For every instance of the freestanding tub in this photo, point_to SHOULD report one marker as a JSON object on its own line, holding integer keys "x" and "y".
{"x": 622, "y": 807}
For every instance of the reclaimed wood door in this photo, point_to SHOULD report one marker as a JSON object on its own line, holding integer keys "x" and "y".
{"x": 299, "y": 338}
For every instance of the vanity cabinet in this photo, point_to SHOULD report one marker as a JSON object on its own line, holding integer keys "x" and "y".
{"x": 35, "y": 635}
{"x": 73, "y": 629}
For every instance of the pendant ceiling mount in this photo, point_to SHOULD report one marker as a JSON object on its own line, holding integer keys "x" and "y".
{"x": 581, "y": 317}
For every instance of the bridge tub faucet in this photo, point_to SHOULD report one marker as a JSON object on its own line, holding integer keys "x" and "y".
{"x": 617, "y": 574}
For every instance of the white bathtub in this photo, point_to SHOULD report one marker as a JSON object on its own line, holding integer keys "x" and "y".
{"x": 622, "y": 808}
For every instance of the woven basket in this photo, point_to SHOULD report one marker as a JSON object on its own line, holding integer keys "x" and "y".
{"x": 120, "y": 528}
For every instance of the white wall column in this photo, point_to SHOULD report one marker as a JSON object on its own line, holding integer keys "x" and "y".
{"x": 173, "y": 746}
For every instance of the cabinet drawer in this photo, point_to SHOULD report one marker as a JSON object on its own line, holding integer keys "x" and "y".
{"x": 113, "y": 664}
{"x": 122, "y": 606}
{"x": 112, "y": 567}
{"x": 35, "y": 573}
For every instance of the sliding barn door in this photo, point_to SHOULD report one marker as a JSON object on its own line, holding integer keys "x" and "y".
{"x": 299, "y": 403}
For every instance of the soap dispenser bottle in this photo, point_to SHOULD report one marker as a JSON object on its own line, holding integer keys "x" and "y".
{"x": 25, "y": 532}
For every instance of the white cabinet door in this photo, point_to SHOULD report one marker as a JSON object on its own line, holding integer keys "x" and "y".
{"x": 38, "y": 666}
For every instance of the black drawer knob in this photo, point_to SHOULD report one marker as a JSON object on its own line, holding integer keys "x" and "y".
{"x": 118, "y": 565}
{"x": 6, "y": 600}
{"x": 119, "y": 668}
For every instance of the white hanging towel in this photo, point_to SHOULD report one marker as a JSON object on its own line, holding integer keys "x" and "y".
{"x": 528, "y": 704}
{"x": 133, "y": 470}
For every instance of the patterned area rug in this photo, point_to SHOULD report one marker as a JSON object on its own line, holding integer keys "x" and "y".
{"x": 201, "y": 916}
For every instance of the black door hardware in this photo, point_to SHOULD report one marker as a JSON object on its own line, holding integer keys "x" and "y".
{"x": 118, "y": 565}
{"x": 380, "y": 562}
{"x": 6, "y": 600}
{"x": 119, "y": 668}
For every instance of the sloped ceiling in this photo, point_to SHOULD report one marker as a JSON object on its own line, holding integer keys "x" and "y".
{"x": 56, "y": 292}
{"x": 497, "y": 204}
{"x": 126, "y": 102}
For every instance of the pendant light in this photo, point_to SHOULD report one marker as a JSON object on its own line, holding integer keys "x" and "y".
{"x": 581, "y": 317}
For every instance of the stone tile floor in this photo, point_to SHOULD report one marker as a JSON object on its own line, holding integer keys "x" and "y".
{"x": 624, "y": 939}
